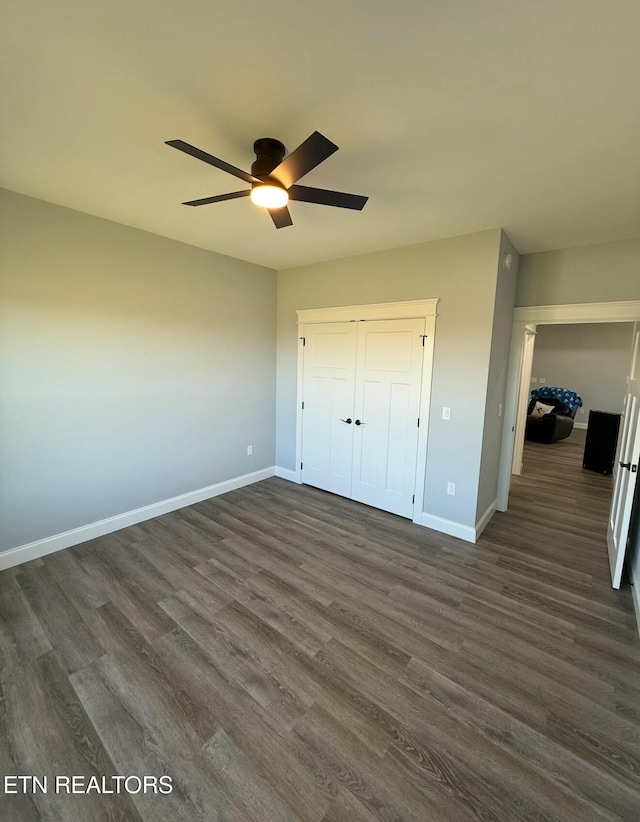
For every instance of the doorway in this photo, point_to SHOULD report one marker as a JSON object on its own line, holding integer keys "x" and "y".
{"x": 590, "y": 360}
{"x": 518, "y": 379}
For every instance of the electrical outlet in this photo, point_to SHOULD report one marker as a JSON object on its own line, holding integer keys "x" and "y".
{"x": 542, "y": 380}
{"x": 451, "y": 489}
{"x": 249, "y": 450}
{"x": 534, "y": 379}
{"x": 580, "y": 410}
{"x": 500, "y": 409}
{"x": 446, "y": 413}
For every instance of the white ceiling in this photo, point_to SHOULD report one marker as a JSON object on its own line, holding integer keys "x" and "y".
{"x": 454, "y": 116}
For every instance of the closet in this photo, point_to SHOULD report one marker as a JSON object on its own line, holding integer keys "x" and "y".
{"x": 361, "y": 398}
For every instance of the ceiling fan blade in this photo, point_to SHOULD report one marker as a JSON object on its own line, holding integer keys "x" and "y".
{"x": 219, "y": 198}
{"x": 322, "y": 196}
{"x": 213, "y": 161}
{"x": 307, "y": 156}
{"x": 281, "y": 217}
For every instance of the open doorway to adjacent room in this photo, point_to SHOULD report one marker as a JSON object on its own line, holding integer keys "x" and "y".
{"x": 589, "y": 355}
{"x": 575, "y": 372}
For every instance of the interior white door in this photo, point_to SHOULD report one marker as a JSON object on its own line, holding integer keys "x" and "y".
{"x": 387, "y": 406}
{"x": 627, "y": 473}
{"x": 362, "y": 385}
{"x": 328, "y": 396}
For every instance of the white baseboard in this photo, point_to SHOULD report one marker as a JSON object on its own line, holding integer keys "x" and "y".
{"x": 288, "y": 474}
{"x": 582, "y": 425}
{"x": 448, "y": 526}
{"x": 484, "y": 519}
{"x": 42, "y": 547}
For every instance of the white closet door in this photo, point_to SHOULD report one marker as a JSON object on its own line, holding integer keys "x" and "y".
{"x": 627, "y": 474}
{"x": 387, "y": 404}
{"x": 328, "y": 392}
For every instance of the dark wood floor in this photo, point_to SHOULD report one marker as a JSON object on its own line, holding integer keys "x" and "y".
{"x": 284, "y": 654}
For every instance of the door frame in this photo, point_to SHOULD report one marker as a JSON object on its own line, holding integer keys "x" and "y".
{"x": 406, "y": 310}
{"x": 523, "y": 399}
{"x": 624, "y": 312}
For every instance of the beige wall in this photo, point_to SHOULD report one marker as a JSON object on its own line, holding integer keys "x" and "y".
{"x": 505, "y": 295}
{"x": 461, "y": 272}
{"x": 606, "y": 272}
{"x": 592, "y": 359}
{"x": 133, "y": 368}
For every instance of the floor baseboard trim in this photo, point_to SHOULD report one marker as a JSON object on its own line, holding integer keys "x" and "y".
{"x": 484, "y": 519}
{"x": 48, "y": 545}
{"x": 448, "y": 526}
{"x": 288, "y": 474}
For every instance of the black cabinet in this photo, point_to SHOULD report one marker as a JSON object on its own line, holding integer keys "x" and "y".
{"x": 602, "y": 439}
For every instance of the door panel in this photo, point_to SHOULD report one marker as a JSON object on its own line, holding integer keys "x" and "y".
{"x": 328, "y": 392}
{"x": 367, "y": 470}
{"x": 627, "y": 470}
{"x": 401, "y": 425}
{"x": 387, "y": 403}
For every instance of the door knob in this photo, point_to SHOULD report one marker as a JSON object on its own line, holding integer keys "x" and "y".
{"x": 358, "y": 422}
{"x": 348, "y": 420}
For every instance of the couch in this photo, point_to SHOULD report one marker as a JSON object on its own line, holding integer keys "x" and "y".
{"x": 551, "y": 413}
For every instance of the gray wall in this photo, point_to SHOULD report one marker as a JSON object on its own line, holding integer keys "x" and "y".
{"x": 461, "y": 271}
{"x": 507, "y": 281}
{"x": 133, "y": 368}
{"x": 605, "y": 272}
{"x": 590, "y": 358}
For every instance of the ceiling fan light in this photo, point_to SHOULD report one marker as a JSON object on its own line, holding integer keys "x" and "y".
{"x": 269, "y": 196}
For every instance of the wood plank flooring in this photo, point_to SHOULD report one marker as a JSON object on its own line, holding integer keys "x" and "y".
{"x": 284, "y": 654}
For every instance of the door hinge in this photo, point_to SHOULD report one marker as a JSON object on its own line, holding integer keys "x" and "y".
{"x": 413, "y": 499}
{"x": 301, "y": 466}
{"x": 424, "y": 337}
{"x": 304, "y": 340}
{"x": 303, "y": 405}
{"x": 418, "y": 422}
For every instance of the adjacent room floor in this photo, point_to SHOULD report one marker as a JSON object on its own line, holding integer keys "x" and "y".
{"x": 284, "y": 654}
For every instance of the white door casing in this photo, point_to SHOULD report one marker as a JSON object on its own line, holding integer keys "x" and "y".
{"x": 354, "y": 314}
{"x": 626, "y": 475}
{"x": 523, "y": 404}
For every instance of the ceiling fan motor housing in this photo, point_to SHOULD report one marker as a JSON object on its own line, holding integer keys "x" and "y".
{"x": 269, "y": 155}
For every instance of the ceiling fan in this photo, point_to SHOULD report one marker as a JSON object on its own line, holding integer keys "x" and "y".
{"x": 274, "y": 177}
